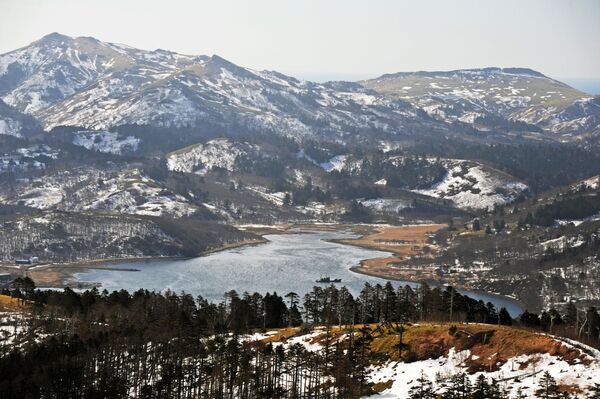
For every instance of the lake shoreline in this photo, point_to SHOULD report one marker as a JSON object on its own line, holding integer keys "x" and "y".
{"x": 440, "y": 282}
{"x": 61, "y": 275}
{"x": 57, "y": 276}
{"x": 407, "y": 246}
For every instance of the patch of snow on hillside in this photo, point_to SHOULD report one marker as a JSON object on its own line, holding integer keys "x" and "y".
{"x": 133, "y": 193}
{"x": 592, "y": 183}
{"x": 35, "y": 151}
{"x": 474, "y": 186}
{"x": 201, "y": 158}
{"x": 577, "y": 222}
{"x": 521, "y": 372}
{"x": 386, "y": 205}
{"x": 276, "y": 198}
{"x": 107, "y": 142}
{"x": 313, "y": 208}
{"x": 336, "y": 163}
{"x": 42, "y": 197}
{"x": 10, "y": 127}
{"x": 27, "y": 158}
{"x": 469, "y": 117}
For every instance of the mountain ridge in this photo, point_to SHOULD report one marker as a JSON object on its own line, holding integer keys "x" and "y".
{"x": 82, "y": 81}
{"x": 507, "y": 70}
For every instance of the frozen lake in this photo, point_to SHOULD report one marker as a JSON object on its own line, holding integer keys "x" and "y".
{"x": 288, "y": 262}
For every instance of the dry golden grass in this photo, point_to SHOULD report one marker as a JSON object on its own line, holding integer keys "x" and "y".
{"x": 403, "y": 242}
{"x": 282, "y": 335}
{"x": 490, "y": 345}
{"x": 8, "y": 303}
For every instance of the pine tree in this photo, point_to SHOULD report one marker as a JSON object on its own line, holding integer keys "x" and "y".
{"x": 482, "y": 388}
{"x": 496, "y": 391}
{"x": 548, "y": 387}
{"x": 460, "y": 388}
{"x": 423, "y": 389}
{"x": 520, "y": 394}
{"x": 504, "y": 317}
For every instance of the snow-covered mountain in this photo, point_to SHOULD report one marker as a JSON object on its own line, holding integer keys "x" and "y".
{"x": 96, "y": 85}
{"x": 495, "y": 98}
{"x": 85, "y": 82}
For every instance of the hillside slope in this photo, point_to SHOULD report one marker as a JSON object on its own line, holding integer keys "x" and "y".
{"x": 495, "y": 98}
{"x": 86, "y": 82}
{"x": 515, "y": 358}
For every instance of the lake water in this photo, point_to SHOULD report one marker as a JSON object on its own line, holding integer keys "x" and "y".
{"x": 288, "y": 262}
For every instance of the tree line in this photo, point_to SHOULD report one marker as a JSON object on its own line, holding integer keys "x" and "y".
{"x": 166, "y": 345}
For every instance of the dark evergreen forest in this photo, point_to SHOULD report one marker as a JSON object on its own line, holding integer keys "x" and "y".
{"x": 152, "y": 345}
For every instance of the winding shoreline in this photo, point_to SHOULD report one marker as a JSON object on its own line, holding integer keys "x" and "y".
{"x": 380, "y": 267}
{"x": 61, "y": 275}
{"x": 516, "y": 302}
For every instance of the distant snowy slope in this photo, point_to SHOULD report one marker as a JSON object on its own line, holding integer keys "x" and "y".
{"x": 125, "y": 192}
{"x": 85, "y": 82}
{"x": 481, "y": 96}
{"x": 108, "y": 142}
{"x": 336, "y": 163}
{"x": 200, "y": 158}
{"x": 476, "y": 186}
{"x": 15, "y": 123}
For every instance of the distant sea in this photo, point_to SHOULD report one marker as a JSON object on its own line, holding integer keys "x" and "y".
{"x": 591, "y": 86}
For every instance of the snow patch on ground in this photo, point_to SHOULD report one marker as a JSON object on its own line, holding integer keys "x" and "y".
{"x": 592, "y": 183}
{"x": 107, "y": 142}
{"x": 127, "y": 191}
{"x": 10, "y": 127}
{"x": 520, "y": 372}
{"x": 201, "y": 158}
{"x": 386, "y": 205}
{"x": 43, "y": 197}
{"x": 130, "y": 192}
{"x": 577, "y": 222}
{"x": 28, "y": 158}
{"x": 276, "y": 198}
{"x": 336, "y": 163}
{"x": 474, "y": 186}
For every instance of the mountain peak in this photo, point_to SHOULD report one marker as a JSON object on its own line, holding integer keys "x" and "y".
{"x": 54, "y": 37}
{"x": 220, "y": 62}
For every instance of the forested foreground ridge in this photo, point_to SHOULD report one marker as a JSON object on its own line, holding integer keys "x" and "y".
{"x": 325, "y": 344}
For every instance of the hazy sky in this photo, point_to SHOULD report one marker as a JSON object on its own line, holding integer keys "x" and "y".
{"x": 333, "y": 39}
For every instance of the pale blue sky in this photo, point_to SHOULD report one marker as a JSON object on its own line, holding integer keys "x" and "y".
{"x": 333, "y": 39}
